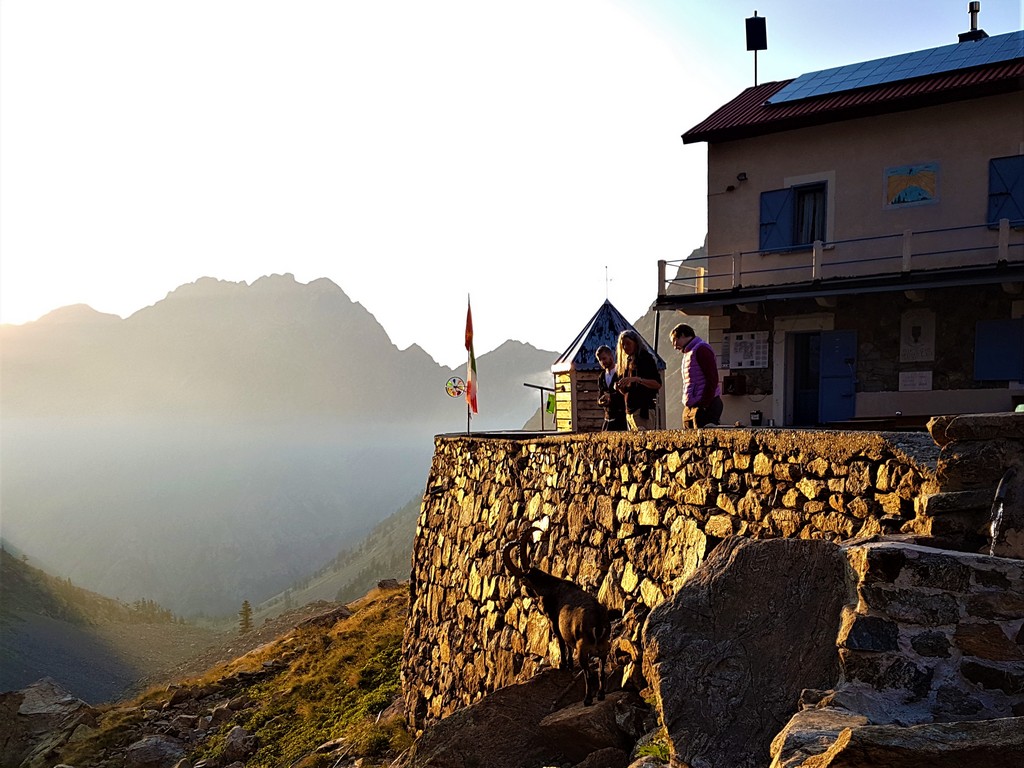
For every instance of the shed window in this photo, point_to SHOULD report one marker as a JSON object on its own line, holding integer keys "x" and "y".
{"x": 793, "y": 217}
{"x": 1006, "y": 190}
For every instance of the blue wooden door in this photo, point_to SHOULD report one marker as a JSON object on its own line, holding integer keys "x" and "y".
{"x": 806, "y": 378}
{"x": 838, "y": 369}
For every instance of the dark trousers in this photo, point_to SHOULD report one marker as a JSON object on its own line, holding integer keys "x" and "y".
{"x": 707, "y": 414}
{"x": 615, "y": 425}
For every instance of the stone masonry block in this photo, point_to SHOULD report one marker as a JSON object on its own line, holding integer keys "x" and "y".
{"x": 938, "y": 570}
{"x": 868, "y": 633}
{"x": 984, "y": 426}
{"x": 931, "y": 644}
{"x": 886, "y": 670}
{"x": 811, "y": 489}
{"x": 1008, "y": 678}
{"x": 720, "y": 526}
{"x": 912, "y": 606}
{"x": 1005, "y": 605}
{"x": 957, "y": 501}
{"x": 986, "y": 641}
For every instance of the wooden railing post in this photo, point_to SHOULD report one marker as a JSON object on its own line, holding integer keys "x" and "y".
{"x": 1004, "y": 240}
{"x": 700, "y": 286}
{"x": 816, "y": 255}
{"x": 661, "y": 278}
{"x": 907, "y": 240}
{"x": 737, "y": 268}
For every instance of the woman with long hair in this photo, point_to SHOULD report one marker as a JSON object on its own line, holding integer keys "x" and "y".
{"x": 639, "y": 380}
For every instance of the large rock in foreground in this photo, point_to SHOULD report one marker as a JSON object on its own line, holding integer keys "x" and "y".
{"x": 988, "y": 743}
{"x": 36, "y": 721}
{"x": 730, "y": 653}
{"x": 539, "y": 722}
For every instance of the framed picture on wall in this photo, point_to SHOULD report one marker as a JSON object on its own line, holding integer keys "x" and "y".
{"x": 907, "y": 185}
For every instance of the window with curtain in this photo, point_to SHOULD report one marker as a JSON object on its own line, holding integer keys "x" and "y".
{"x": 793, "y": 217}
{"x": 809, "y": 214}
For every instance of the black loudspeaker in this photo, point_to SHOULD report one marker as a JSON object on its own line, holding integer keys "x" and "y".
{"x": 736, "y": 384}
{"x": 757, "y": 34}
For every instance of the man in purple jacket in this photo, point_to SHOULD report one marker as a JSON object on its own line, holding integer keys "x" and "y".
{"x": 702, "y": 401}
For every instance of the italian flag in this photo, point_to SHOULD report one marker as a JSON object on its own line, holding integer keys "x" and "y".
{"x": 471, "y": 365}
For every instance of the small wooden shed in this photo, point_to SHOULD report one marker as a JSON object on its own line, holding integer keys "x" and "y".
{"x": 576, "y": 372}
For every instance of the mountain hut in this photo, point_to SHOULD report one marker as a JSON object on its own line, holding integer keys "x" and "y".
{"x": 576, "y": 373}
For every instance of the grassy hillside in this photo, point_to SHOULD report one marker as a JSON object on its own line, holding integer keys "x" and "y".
{"x": 27, "y": 589}
{"x": 98, "y": 648}
{"x": 385, "y": 553}
{"x": 324, "y": 691}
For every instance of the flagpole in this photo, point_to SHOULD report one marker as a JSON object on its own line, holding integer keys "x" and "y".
{"x": 471, "y": 382}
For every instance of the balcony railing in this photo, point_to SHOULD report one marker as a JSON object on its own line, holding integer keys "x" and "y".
{"x": 891, "y": 254}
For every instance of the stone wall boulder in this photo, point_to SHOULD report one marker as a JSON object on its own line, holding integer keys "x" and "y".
{"x": 1008, "y": 515}
{"x": 976, "y": 451}
{"x": 37, "y": 720}
{"x": 154, "y": 751}
{"x": 730, "y": 653}
{"x": 989, "y": 743}
{"x": 539, "y": 722}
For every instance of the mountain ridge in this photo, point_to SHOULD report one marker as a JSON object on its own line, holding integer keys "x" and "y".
{"x": 226, "y": 441}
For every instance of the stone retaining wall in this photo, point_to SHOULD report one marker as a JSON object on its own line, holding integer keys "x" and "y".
{"x": 937, "y": 632}
{"x": 628, "y": 517}
{"x": 932, "y": 664}
{"x": 975, "y": 452}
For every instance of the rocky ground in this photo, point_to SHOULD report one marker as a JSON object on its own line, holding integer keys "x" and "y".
{"x": 294, "y": 699}
{"x": 108, "y": 661}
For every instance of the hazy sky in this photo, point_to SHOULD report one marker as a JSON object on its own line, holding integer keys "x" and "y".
{"x": 413, "y": 151}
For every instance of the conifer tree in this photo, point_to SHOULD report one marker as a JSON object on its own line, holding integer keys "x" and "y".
{"x": 245, "y": 617}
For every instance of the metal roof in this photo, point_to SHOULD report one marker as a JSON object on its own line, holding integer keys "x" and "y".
{"x": 751, "y": 114}
{"x": 602, "y": 329}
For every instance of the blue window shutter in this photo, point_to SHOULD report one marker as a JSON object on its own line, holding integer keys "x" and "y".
{"x": 776, "y": 219}
{"x": 1006, "y": 190}
{"x": 999, "y": 350}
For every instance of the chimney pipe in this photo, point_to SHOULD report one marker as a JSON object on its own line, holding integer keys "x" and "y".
{"x": 973, "y": 8}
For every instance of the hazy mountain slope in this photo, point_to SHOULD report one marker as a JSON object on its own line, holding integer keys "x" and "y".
{"x": 96, "y": 647}
{"x": 225, "y": 442}
{"x": 385, "y": 553}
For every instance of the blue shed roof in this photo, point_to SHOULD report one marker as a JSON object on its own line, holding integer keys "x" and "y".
{"x": 603, "y": 328}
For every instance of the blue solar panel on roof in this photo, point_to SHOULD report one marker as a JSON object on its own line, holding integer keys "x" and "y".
{"x": 907, "y": 66}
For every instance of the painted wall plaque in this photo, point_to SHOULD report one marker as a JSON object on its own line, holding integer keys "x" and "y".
{"x": 911, "y": 185}
{"x": 917, "y": 336}
{"x": 915, "y": 381}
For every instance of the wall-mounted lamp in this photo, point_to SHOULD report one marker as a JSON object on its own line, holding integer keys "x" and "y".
{"x": 741, "y": 176}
